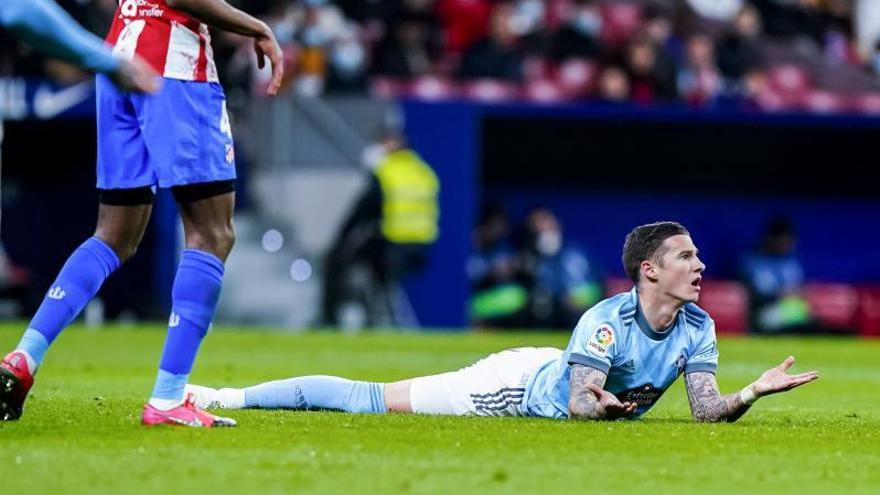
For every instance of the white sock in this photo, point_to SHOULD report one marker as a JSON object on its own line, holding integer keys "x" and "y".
{"x": 231, "y": 398}
{"x": 165, "y": 404}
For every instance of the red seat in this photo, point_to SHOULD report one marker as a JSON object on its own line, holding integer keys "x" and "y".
{"x": 577, "y": 77}
{"x": 432, "y": 88}
{"x": 790, "y": 79}
{"x": 727, "y": 302}
{"x": 834, "y": 305}
{"x": 489, "y": 90}
{"x": 824, "y": 102}
{"x": 617, "y": 285}
{"x": 868, "y": 316}
{"x": 543, "y": 91}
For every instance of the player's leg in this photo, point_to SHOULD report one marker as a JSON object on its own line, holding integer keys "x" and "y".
{"x": 122, "y": 217}
{"x": 119, "y": 231}
{"x": 206, "y": 211}
{"x": 303, "y": 393}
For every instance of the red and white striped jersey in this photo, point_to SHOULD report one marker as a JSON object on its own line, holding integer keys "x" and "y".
{"x": 176, "y": 45}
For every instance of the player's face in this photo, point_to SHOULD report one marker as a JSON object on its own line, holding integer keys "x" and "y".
{"x": 680, "y": 272}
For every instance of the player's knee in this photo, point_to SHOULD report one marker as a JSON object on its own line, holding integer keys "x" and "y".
{"x": 217, "y": 240}
{"x": 124, "y": 248}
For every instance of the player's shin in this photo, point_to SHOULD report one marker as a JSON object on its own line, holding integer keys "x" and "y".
{"x": 318, "y": 392}
{"x": 194, "y": 299}
{"x": 77, "y": 283}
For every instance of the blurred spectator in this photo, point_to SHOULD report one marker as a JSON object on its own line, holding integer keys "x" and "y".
{"x": 499, "y": 55}
{"x": 739, "y": 51}
{"x": 613, "y": 85}
{"x": 560, "y": 279}
{"x": 578, "y": 37}
{"x": 389, "y": 231}
{"x": 498, "y": 298}
{"x": 465, "y": 22}
{"x": 775, "y": 277}
{"x": 13, "y": 286}
{"x": 411, "y": 48}
{"x": 649, "y": 80}
{"x": 699, "y": 80}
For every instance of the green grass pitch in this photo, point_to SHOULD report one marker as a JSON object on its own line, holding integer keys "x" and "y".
{"x": 80, "y": 431}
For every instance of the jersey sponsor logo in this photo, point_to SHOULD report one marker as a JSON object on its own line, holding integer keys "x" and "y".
{"x": 643, "y": 395}
{"x": 56, "y": 293}
{"x": 601, "y": 340}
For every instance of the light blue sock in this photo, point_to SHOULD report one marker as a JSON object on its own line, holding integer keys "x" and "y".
{"x": 193, "y": 299}
{"x": 318, "y": 392}
{"x": 77, "y": 283}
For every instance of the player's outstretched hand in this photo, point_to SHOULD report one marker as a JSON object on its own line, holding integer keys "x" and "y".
{"x": 776, "y": 379}
{"x": 137, "y": 76}
{"x": 609, "y": 405}
{"x": 266, "y": 46}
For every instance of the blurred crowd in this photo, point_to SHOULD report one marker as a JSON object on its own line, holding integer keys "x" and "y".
{"x": 822, "y": 55}
{"x": 531, "y": 275}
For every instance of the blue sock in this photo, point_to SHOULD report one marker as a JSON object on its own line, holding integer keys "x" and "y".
{"x": 318, "y": 392}
{"x": 76, "y": 285}
{"x": 193, "y": 301}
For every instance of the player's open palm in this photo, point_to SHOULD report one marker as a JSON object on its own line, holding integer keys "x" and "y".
{"x": 610, "y": 405}
{"x": 267, "y": 47}
{"x": 776, "y": 379}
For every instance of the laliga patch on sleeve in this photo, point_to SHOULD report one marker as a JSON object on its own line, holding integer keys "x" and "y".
{"x": 601, "y": 340}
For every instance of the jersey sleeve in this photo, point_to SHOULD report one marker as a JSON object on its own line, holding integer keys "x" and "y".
{"x": 704, "y": 356}
{"x": 594, "y": 343}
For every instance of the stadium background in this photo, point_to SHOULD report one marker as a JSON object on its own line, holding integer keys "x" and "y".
{"x": 726, "y": 127}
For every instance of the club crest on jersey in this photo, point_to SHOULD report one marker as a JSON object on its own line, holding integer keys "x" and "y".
{"x": 601, "y": 340}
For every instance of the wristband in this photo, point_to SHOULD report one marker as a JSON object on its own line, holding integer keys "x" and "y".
{"x": 748, "y": 396}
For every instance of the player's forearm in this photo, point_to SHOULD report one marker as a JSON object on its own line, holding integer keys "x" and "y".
{"x": 47, "y": 27}
{"x": 582, "y": 404}
{"x": 707, "y": 404}
{"x": 221, "y": 15}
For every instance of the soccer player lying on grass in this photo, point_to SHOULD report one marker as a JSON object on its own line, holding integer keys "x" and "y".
{"x": 624, "y": 353}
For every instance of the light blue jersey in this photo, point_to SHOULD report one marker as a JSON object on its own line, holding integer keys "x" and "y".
{"x": 614, "y": 337}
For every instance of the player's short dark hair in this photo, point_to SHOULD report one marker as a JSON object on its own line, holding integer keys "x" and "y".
{"x": 645, "y": 243}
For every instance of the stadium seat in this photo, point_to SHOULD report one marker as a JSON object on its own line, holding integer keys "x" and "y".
{"x": 385, "y": 87}
{"x": 432, "y": 88}
{"x": 790, "y": 79}
{"x": 868, "y": 317}
{"x": 616, "y": 285}
{"x": 536, "y": 68}
{"x": 619, "y": 21}
{"x": 833, "y": 305}
{"x": 489, "y": 90}
{"x": 727, "y": 302}
{"x": 868, "y": 103}
{"x": 819, "y": 101}
{"x": 577, "y": 77}
{"x": 543, "y": 91}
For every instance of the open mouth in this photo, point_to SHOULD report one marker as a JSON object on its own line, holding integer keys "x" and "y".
{"x": 696, "y": 282}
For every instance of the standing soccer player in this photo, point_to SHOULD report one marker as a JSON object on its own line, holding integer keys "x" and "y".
{"x": 179, "y": 138}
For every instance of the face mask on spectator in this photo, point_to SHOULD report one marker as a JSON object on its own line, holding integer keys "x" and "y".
{"x": 549, "y": 242}
{"x": 587, "y": 23}
{"x": 348, "y": 58}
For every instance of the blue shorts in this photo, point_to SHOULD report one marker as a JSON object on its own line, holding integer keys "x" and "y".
{"x": 179, "y": 136}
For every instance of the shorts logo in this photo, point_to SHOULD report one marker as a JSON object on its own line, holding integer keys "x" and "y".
{"x": 601, "y": 340}
{"x": 230, "y": 153}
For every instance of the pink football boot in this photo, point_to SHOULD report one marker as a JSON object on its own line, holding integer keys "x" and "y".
{"x": 15, "y": 382}
{"x": 186, "y": 414}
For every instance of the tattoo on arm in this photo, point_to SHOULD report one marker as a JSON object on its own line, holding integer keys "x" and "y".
{"x": 707, "y": 403}
{"x": 582, "y": 403}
